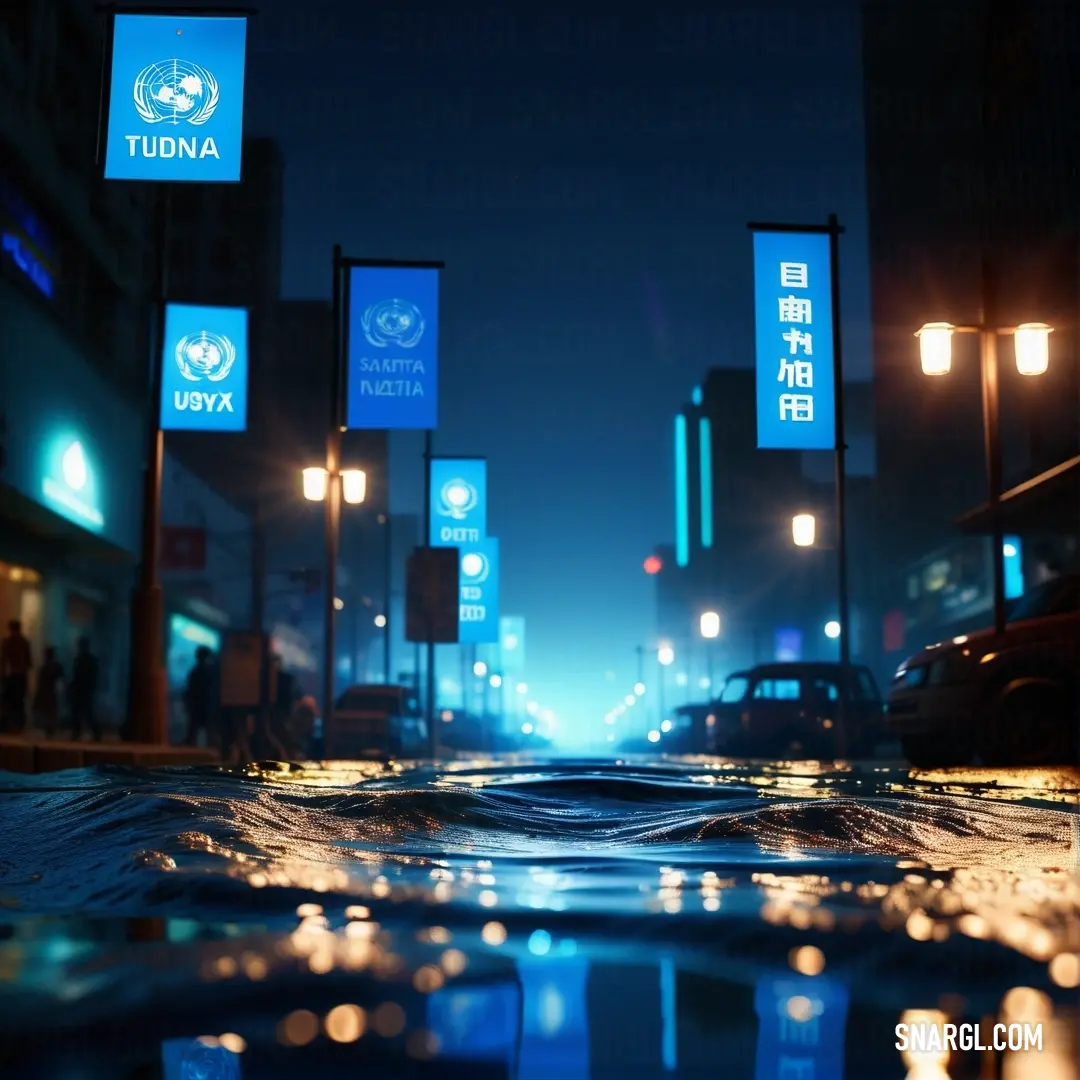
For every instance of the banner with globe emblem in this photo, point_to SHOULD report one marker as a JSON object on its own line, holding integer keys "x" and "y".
{"x": 392, "y": 346}
{"x": 204, "y": 368}
{"x": 458, "y": 501}
{"x": 176, "y": 98}
{"x": 478, "y": 615}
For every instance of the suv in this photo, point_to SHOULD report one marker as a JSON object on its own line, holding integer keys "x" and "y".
{"x": 792, "y": 709}
{"x": 1010, "y": 698}
{"x": 376, "y": 719}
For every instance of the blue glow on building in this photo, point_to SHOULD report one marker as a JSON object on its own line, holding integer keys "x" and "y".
{"x": 705, "y": 453}
{"x": 669, "y": 1038}
{"x": 682, "y": 500}
{"x": 695, "y": 395}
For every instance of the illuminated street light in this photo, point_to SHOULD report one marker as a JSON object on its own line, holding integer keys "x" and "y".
{"x": 832, "y": 629}
{"x": 935, "y": 347}
{"x": 803, "y": 530}
{"x": 522, "y": 688}
{"x": 315, "y": 484}
{"x": 339, "y": 604}
{"x": 654, "y": 736}
{"x": 666, "y": 655}
{"x": 1031, "y": 346}
{"x": 629, "y": 700}
{"x": 496, "y": 681}
{"x": 665, "y": 727}
{"x": 639, "y": 688}
{"x": 710, "y": 624}
{"x": 354, "y": 486}
{"x": 479, "y": 669}
{"x": 532, "y": 708}
{"x": 1032, "y": 343}
{"x": 380, "y": 621}
{"x": 526, "y": 728}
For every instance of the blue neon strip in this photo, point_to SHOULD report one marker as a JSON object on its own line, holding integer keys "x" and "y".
{"x": 682, "y": 501}
{"x": 705, "y": 451}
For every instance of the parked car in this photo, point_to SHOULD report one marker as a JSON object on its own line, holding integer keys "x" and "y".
{"x": 373, "y": 720}
{"x": 792, "y": 709}
{"x": 1010, "y": 698}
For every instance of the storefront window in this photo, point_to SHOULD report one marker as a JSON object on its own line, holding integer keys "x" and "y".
{"x": 185, "y": 636}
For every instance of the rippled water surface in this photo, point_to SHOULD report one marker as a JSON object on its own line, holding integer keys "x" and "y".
{"x": 897, "y": 887}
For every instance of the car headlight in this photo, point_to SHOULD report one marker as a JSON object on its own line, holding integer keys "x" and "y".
{"x": 953, "y": 667}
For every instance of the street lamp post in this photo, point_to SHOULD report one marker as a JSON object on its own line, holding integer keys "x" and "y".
{"x": 665, "y": 657}
{"x": 710, "y": 631}
{"x": 1032, "y": 347}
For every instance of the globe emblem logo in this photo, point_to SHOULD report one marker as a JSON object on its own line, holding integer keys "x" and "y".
{"x": 475, "y": 567}
{"x": 393, "y": 322}
{"x": 458, "y": 498}
{"x": 205, "y": 356}
{"x": 175, "y": 90}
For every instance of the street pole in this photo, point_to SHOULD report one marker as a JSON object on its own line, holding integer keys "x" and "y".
{"x": 429, "y": 704}
{"x": 841, "y": 486}
{"x": 258, "y": 620}
{"x": 333, "y": 497}
{"x": 989, "y": 370}
{"x": 388, "y": 569}
{"x": 147, "y": 689}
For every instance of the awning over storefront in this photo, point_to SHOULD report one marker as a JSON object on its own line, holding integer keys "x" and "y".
{"x": 1048, "y": 503}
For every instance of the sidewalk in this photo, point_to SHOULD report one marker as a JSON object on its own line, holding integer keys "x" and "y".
{"x": 34, "y": 753}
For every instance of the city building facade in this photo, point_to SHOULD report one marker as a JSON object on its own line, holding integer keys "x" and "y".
{"x": 74, "y": 327}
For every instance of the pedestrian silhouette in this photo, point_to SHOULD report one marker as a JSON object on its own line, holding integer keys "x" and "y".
{"x": 199, "y": 696}
{"x": 82, "y": 692}
{"x": 47, "y": 692}
{"x": 16, "y": 662}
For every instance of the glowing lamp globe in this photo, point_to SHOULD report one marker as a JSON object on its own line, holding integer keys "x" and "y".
{"x": 315, "y": 484}
{"x": 803, "y": 530}
{"x": 832, "y": 629}
{"x": 935, "y": 347}
{"x": 666, "y": 655}
{"x": 1032, "y": 341}
{"x": 354, "y": 486}
{"x": 710, "y": 624}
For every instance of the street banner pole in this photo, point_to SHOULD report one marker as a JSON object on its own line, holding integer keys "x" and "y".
{"x": 333, "y": 496}
{"x": 793, "y": 411}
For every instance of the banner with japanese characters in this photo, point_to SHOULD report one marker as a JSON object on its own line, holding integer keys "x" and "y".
{"x": 796, "y": 401}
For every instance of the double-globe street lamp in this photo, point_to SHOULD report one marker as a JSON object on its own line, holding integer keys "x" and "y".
{"x": 332, "y": 485}
{"x": 1031, "y": 342}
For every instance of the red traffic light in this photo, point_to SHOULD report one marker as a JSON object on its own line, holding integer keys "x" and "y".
{"x": 653, "y": 564}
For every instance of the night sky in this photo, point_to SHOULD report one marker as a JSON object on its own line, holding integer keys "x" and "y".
{"x": 586, "y": 173}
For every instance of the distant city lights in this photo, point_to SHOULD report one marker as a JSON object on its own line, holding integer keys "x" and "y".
{"x": 653, "y": 565}
{"x": 832, "y": 629}
{"x": 639, "y": 688}
{"x": 630, "y": 700}
{"x": 526, "y": 728}
{"x": 665, "y": 726}
{"x": 380, "y": 621}
{"x": 479, "y": 669}
{"x": 522, "y": 688}
{"x": 654, "y": 736}
{"x": 496, "y": 681}
{"x": 666, "y": 655}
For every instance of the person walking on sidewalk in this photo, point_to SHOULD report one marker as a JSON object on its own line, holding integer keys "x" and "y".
{"x": 16, "y": 662}
{"x": 47, "y": 692}
{"x": 200, "y": 696}
{"x": 82, "y": 692}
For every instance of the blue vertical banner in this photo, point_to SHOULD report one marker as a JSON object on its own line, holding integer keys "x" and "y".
{"x": 458, "y": 501}
{"x": 176, "y": 98}
{"x": 392, "y": 346}
{"x": 478, "y": 621}
{"x": 796, "y": 400}
{"x": 204, "y": 368}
